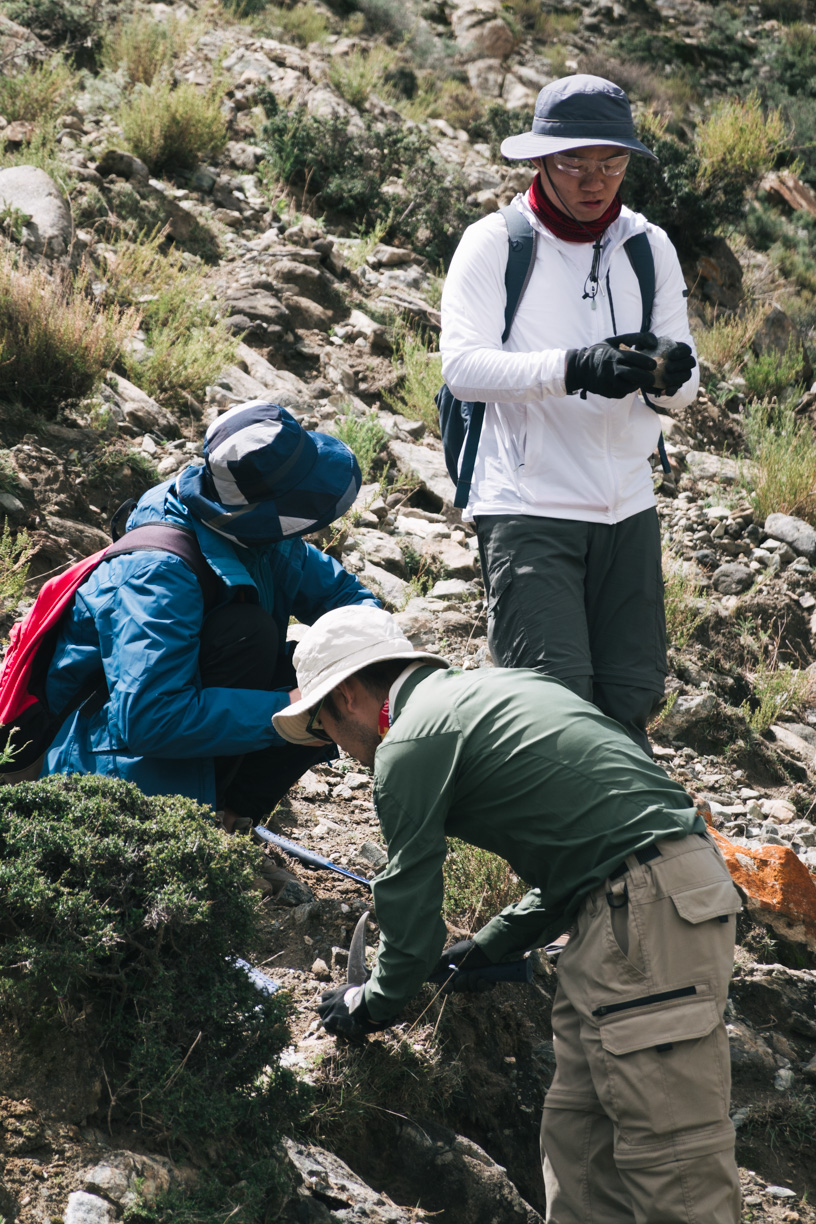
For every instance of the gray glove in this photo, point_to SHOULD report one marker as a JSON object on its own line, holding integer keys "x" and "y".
{"x": 603, "y": 369}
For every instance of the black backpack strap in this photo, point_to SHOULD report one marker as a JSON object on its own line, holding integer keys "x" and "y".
{"x": 165, "y": 537}
{"x": 639, "y": 250}
{"x": 521, "y": 248}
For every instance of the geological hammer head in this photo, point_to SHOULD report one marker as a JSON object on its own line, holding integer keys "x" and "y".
{"x": 358, "y": 975}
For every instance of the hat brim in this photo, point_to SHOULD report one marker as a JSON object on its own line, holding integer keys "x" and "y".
{"x": 290, "y": 723}
{"x": 531, "y": 144}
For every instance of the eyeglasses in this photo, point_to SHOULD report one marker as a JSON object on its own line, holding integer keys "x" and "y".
{"x": 583, "y": 167}
{"x": 313, "y": 727}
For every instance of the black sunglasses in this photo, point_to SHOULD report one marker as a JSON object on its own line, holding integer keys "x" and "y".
{"x": 313, "y": 727}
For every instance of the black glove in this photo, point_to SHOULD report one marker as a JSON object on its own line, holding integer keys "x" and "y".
{"x": 604, "y": 369}
{"x": 466, "y": 954}
{"x": 344, "y": 1013}
{"x": 679, "y": 362}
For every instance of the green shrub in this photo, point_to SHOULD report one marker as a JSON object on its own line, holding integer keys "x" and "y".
{"x": 15, "y": 554}
{"x": 121, "y": 921}
{"x": 60, "y": 21}
{"x": 782, "y": 474}
{"x": 188, "y": 346}
{"x": 363, "y": 435}
{"x": 420, "y": 378}
{"x": 772, "y": 374}
{"x": 452, "y": 100}
{"x": 682, "y": 600}
{"x": 55, "y": 340}
{"x": 478, "y": 885}
{"x": 497, "y": 124}
{"x": 362, "y": 72}
{"x": 40, "y": 93}
{"x": 141, "y": 47}
{"x": 303, "y": 23}
{"x": 737, "y": 144}
{"x": 345, "y": 171}
{"x": 173, "y": 128}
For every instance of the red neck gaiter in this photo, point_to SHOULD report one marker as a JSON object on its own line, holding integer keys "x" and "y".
{"x": 566, "y": 227}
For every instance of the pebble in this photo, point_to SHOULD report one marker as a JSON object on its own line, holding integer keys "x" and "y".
{"x": 321, "y": 970}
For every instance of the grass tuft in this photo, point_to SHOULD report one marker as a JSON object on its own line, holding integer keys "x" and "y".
{"x": 365, "y": 436}
{"x": 782, "y": 474}
{"x": 38, "y": 94}
{"x": 173, "y": 128}
{"x": 55, "y": 340}
{"x": 478, "y": 885}
{"x": 15, "y": 554}
{"x": 421, "y": 378}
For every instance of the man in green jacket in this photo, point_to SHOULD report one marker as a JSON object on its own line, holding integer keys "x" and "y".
{"x": 636, "y": 1123}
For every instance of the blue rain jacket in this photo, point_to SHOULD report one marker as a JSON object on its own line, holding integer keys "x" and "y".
{"x": 139, "y": 616}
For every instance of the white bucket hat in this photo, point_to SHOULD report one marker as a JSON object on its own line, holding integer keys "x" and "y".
{"x": 336, "y": 646}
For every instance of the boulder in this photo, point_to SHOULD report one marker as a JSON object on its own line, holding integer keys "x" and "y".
{"x": 686, "y": 713}
{"x": 379, "y": 548}
{"x": 793, "y": 531}
{"x": 124, "y": 165}
{"x": 306, "y": 314}
{"x": 775, "y": 883}
{"x": 128, "y": 1177}
{"x": 322, "y": 1178}
{"x": 257, "y": 304}
{"x": 486, "y": 77}
{"x": 784, "y": 187}
{"x": 480, "y": 30}
{"x": 128, "y": 403}
{"x": 704, "y": 466}
{"x": 732, "y": 578}
{"x": 457, "y": 561}
{"x": 85, "y": 1208}
{"x": 19, "y": 47}
{"x": 393, "y": 590}
{"x": 717, "y": 275}
{"x": 778, "y": 334}
{"x": 427, "y": 467}
{"x": 49, "y": 230}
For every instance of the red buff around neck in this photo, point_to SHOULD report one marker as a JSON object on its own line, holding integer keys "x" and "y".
{"x": 566, "y": 227}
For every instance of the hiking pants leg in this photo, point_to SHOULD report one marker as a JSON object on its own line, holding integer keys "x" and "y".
{"x": 642, "y": 988}
{"x": 239, "y": 649}
{"x": 626, "y": 620}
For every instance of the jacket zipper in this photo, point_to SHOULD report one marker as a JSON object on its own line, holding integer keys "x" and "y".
{"x": 662, "y": 997}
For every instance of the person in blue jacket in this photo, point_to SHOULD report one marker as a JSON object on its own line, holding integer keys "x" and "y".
{"x": 188, "y": 694}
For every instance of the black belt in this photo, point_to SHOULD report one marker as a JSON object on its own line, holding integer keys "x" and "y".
{"x": 643, "y": 856}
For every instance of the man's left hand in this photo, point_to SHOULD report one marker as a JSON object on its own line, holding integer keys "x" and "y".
{"x": 345, "y": 1014}
{"x": 679, "y": 362}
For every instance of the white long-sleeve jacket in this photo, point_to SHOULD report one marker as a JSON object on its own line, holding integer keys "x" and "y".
{"x": 544, "y": 452}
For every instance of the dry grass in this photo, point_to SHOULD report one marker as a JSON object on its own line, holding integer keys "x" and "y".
{"x": 725, "y": 342}
{"x": 55, "y": 340}
{"x": 173, "y": 128}
{"x": 41, "y": 92}
{"x": 421, "y": 378}
{"x": 142, "y": 47}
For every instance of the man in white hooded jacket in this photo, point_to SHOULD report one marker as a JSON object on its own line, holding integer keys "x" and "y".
{"x": 562, "y": 492}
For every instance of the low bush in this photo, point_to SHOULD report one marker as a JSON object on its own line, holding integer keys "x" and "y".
{"x": 79, "y": 22}
{"x": 497, "y": 124}
{"x": 681, "y": 593}
{"x": 362, "y": 72}
{"x": 55, "y": 340}
{"x": 187, "y": 345}
{"x": 173, "y": 128}
{"x": 122, "y": 921}
{"x": 773, "y": 374}
{"x": 15, "y": 554}
{"x": 724, "y": 342}
{"x": 386, "y": 172}
{"x": 420, "y": 378}
{"x": 776, "y": 688}
{"x": 303, "y": 23}
{"x": 142, "y": 47}
{"x": 365, "y": 436}
{"x": 478, "y": 885}
{"x": 782, "y": 474}
{"x": 40, "y": 93}
{"x": 452, "y": 100}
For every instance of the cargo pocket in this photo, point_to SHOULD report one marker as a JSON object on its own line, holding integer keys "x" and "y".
{"x": 719, "y": 900}
{"x": 666, "y": 1064}
{"x": 500, "y": 581}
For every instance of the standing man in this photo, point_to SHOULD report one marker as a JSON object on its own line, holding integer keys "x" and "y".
{"x": 636, "y": 1123}
{"x": 562, "y": 491}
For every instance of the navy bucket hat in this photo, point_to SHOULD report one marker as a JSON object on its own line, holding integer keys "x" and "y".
{"x": 266, "y": 479}
{"x": 573, "y": 112}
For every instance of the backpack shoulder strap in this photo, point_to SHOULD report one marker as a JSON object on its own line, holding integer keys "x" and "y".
{"x": 639, "y": 250}
{"x": 166, "y": 537}
{"x": 521, "y": 247}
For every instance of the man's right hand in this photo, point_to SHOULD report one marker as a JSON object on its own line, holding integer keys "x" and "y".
{"x": 603, "y": 369}
{"x": 466, "y": 954}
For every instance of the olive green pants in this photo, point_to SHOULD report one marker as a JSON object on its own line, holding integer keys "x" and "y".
{"x": 582, "y": 602}
{"x": 636, "y": 1126}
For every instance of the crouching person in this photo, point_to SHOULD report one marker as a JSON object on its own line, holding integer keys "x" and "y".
{"x": 636, "y": 1124}
{"x": 187, "y": 668}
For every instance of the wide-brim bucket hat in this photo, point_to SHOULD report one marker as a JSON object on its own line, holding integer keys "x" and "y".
{"x": 574, "y": 112}
{"x": 335, "y": 647}
{"x": 265, "y": 478}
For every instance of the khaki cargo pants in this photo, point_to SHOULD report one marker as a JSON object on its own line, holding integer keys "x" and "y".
{"x": 636, "y": 1126}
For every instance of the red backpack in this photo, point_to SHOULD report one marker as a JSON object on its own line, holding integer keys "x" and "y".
{"x": 27, "y": 724}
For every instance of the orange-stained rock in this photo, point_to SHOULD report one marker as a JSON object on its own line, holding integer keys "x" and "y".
{"x": 774, "y": 882}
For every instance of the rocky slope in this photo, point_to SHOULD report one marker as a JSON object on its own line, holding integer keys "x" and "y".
{"x": 442, "y": 1114}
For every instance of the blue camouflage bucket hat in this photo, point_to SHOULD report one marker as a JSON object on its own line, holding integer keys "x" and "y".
{"x": 265, "y": 478}
{"x": 574, "y": 112}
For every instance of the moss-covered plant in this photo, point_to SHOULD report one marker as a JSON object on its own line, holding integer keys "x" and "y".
{"x": 121, "y": 919}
